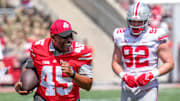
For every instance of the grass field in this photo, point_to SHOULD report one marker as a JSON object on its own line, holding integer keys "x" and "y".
{"x": 172, "y": 94}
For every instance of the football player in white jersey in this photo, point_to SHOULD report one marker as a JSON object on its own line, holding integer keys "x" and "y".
{"x": 136, "y": 53}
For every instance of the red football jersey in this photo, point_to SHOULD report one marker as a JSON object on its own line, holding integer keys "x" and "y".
{"x": 53, "y": 84}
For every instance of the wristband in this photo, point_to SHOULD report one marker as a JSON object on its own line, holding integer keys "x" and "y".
{"x": 121, "y": 74}
{"x": 155, "y": 73}
{"x": 73, "y": 74}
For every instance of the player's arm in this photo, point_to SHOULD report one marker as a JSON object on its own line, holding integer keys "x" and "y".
{"x": 165, "y": 55}
{"x": 168, "y": 64}
{"x": 81, "y": 80}
{"x": 116, "y": 60}
{"x": 117, "y": 68}
{"x": 19, "y": 90}
{"x": 18, "y": 85}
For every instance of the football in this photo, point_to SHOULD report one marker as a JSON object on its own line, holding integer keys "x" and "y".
{"x": 29, "y": 80}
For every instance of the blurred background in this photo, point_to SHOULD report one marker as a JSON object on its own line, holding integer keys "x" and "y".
{"x": 25, "y": 21}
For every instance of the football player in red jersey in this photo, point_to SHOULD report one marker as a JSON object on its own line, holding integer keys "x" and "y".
{"x": 139, "y": 48}
{"x": 62, "y": 64}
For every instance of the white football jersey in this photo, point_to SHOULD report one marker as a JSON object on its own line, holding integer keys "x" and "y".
{"x": 139, "y": 54}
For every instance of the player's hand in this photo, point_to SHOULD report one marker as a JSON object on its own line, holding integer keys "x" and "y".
{"x": 66, "y": 68}
{"x": 144, "y": 78}
{"x": 130, "y": 80}
{"x": 18, "y": 89}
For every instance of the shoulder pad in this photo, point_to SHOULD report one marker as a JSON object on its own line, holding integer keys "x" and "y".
{"x": 37, "y": 45}
{"x": 161, "y": 35}
{"x": 118, "y": 34}
{"x": 82, "y": 51}
{"x": 153, "y": 30}
{"x": 80, "y": 48}
{"x": 119, "y": 30}
{"x": 40, "y": 48}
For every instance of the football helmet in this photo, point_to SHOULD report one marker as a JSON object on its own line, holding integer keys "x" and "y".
{"x": 138, "y": 17}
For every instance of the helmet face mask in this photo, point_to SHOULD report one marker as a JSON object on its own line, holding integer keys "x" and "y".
{"x": 138, "y": 17}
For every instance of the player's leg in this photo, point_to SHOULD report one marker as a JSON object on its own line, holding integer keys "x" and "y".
{"x": 126, "y": 95}
{"x": 123, "y": 96}
{"x": 150, "y": 95}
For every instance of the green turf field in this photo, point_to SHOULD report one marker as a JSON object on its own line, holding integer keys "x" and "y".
{"x": 98, "y": 95}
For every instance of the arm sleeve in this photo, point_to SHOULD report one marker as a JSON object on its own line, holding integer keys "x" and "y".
{"x": 29, "y": 64}
{"x": 117, "y": 35}
{"x": 86, "y": 70}
{"x": 162, "y": 37}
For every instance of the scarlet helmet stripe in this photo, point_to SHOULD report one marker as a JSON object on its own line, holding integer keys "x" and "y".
{"x": 136, "y": 10}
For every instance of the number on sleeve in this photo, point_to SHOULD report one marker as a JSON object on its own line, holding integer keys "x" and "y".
{"x": 78, "y": 47}
{"x": 40, "y": 42}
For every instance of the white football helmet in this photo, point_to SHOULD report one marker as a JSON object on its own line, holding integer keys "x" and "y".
{"x": 138, "y": 12}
